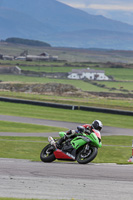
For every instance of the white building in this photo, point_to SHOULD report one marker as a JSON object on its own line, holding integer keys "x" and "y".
{"x": 90, "y": 74}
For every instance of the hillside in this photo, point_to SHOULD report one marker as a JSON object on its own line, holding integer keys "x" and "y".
{"x": 26, "y": 42}
{"x": 61, "y": 25}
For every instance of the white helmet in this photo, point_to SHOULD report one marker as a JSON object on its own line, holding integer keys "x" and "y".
{"x": 97, "y": 124}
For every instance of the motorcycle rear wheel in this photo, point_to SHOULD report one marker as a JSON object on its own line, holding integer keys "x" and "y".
{"x": 46, "y": 155}
{"x": 84, "y": 158}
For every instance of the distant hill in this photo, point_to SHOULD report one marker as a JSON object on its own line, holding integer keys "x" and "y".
{"x": 27, "y": 42}
{"x": 61, "y": 25}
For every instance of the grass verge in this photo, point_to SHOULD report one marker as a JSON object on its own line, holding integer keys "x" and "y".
{"x": 27, "y": 128}
{"x": 78, "y": 116}
{"x": 22, "y": 147}
{"x": 116, "y": 149}
{"x": 123, "y": 104}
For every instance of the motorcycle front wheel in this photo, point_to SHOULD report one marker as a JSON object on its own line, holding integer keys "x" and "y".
{"x": 85, "y": 157}
{"x": 47, "y": 154}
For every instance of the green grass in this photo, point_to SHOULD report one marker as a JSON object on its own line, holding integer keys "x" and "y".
{"x": 70, "y": 54}
{"x": 122, "y": 74}
{"x": 51, "y": 68}
{"x": 22, "y": 147}
{"x": 117, "y": 140}
{"x": 123, "y": 104}
{"x": 84, "y": 86}
{"x": 78, "y": 116}
{"x": 27, "y": 128}
{"x": 119, "y": 155}
{"x": 77, "y": 83}
{"x": 117, "y": 73}
{"x": 115, "y": 149}
{"x": 118, "y": 85}
{"x": 30, "y": 148}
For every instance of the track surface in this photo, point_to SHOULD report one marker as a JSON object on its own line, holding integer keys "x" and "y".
{"x": 70, "y": 125}
{"x": 26, "y": 179}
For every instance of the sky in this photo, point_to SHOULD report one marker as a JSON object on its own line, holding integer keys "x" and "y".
{"x": 120, "y": 10}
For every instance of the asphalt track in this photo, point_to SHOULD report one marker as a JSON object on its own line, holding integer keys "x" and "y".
{"x": 68, "y": 180}
{"x": 69, "y": 125}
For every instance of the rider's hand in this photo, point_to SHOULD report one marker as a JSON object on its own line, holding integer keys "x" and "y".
{"x": 87, "y": 131}
{"x": 81, "y": 129}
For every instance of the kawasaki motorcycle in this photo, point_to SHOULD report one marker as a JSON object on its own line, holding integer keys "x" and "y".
{"x": 82, "y": 148}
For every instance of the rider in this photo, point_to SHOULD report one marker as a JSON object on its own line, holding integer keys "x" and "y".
{"x": 86, "y": 128}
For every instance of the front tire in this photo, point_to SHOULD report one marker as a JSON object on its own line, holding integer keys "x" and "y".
{"x": 47, "y": 154}
{"x": 84, "y": 158}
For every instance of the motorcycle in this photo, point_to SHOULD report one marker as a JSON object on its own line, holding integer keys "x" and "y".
{"x": 82, "y": 148}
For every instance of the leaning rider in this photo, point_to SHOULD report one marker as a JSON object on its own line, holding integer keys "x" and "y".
{"x": 86, "y": 128}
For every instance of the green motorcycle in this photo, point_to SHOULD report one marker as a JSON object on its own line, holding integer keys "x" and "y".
{"x": 82, "y": 148}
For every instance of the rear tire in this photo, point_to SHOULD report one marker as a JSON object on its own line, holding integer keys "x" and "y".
{"x": 47, "y": 156}
{"x": 83, "y": 158}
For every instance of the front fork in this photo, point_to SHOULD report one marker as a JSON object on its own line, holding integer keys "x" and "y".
{"x": 87, "y": 147}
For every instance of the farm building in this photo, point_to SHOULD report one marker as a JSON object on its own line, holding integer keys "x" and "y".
{"x": 90, "y": 74}
{"x": 24, "y": 56}
{"x": 43, "y": 56}
{"x": 6, "y": 57}
{"x": 10, "y": 70}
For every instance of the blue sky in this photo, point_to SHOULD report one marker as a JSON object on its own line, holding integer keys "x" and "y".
{"x": 121, "y": 10}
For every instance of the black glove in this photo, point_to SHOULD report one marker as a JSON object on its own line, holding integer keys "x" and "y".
{"x": 81, "y": 129}
{"x": 88, "y": 131}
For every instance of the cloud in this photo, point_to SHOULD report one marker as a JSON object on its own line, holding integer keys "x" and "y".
{"x": 121, "y": 10}
{"x": 111, "y": 5}
{"x": 74, "y": 4}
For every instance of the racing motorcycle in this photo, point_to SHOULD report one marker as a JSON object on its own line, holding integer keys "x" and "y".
{"x": 82, "y": 148}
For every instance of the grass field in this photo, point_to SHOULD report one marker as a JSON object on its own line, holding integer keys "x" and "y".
{"x": 85, "y": 86}
{"x": 115, "y": 149}
{"x": 27, "y": 128}
{"x": 70, "y": 54}
{"x": 123, "y": 104}
{"x": 123, "y": 87}
{"x": 122, "y": 74}
{"x": 65, "y": 115}
{"x": 77, "y": 83}
{"x": 118, "y": 73}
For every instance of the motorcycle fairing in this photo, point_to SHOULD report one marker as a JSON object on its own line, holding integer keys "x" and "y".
{"x": 61, "y": 134}
{"x": 78, "y": 142}
{"x": 60, "y": 155}
{"x": 82, "y": 140}
{"x": 97, "y": 133}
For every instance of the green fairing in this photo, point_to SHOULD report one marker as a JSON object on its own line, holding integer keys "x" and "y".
{"x": 61, "y": 134}
{"x": 95, "y": 140}
{"x": 79, "y": 141}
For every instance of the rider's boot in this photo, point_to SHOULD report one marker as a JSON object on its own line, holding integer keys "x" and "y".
{"x": 60, "y": 141}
